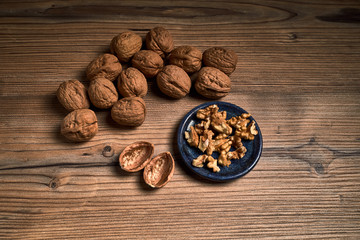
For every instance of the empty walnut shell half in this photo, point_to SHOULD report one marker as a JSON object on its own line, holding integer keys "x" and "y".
{"x": 159, "y": 170}
{"x": 220, "y": 58}
{"x": 212, "y": 83}
{"x": 136, "y": 156}
{"x": 79, "y": 125}
{"x": 106, "y": 66}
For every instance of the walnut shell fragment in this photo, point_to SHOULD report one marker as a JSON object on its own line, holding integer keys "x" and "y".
{"x": 72, "y": 95}
{"x": 106, "y": 66}
{"x": 159, "y": 171}
{"x": 79, "y": 125}
{"x": 132, "y": 83}
{"x": 148, "y": 62}
{"x": 136, "y": 156}
{"x": 160, "y": 41}
{"x": 220, "y": 58}
{"x": 212, "y": 83}
{"x": 173, "y": 81}
{"x": 125, "y": 45}
{"x": 129, "y": 111}
{"x": 187, "y": 57}
{"x": 102, "y": 93}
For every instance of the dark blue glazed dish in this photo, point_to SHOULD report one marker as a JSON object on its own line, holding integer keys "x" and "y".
{"x": 237, "y": 167}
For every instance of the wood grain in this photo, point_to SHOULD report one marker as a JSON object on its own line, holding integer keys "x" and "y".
{"x": 298, "y": 74}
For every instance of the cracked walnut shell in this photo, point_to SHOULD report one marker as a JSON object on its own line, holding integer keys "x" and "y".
{"x": 132, "y": 83}
{"x": 72, "y": 95}
{"x": 220, "y": 58}
{"x": 159, "y": 171}
{"x": 125, "y": 45}
{"x": 173, "y": 81}
{"x": 79, "y": 125}
{"x": 148, "y": 62}
{"x": 102, "y": 93}
{"x": 160, "y": 41}
{"x": 106, "y": 66}
{"x": 129, "y": 111}
{"x": 136, "y": 156}
{"x": 187, "y": 57}
{"x": 212, "y": 83}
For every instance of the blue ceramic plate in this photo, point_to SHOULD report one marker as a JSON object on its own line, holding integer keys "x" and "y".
{"x": 237, "y": 167}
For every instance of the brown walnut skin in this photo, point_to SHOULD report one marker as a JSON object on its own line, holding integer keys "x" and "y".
{"x": 79, "y": 125}
{"x": 159, "y": 171}
{"x": 102, "y": 93}
{"x": 148, "y": 62}
{"x": 173, "y": 81}
{"x": 132, "y": 83}
{"x": 212, "y": 83}
{"x": 125, "y": 45}
{"x": 129, "y": 111}
{"x": 187, "y": 57}
{"x": 106, "y": 66}
{"x": 72, "y": 95}
{"x": 136, "y": 156}
{"x": 160, "y": 41}
{"x": 220, "y": 58}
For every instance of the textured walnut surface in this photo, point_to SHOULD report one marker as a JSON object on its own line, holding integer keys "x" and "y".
{"x": 105, "y": 66}
{"x": 160, "y": 41}
{"x": 132, "y": 83}
{"x": 72, "y": 94}
{"x": 221, "y": 58}
{"x": 129, "y": 111}
{"x": 173, "y": 81}
{"x": 187, "y": 57}
{"x": 125, "y": 45}
{"x": 148, "y": 62}
{"x": 212, "y": 83}
{"x": 102, "y": 93}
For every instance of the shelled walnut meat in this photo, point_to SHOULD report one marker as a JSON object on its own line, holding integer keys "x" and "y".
{"x": 102, "y": 93}
{"x": 187, "y": 57}
{"x": 212, "y": 83}
{"x": 148, "y": 62}
{"x": 220, "y": 58}
{"x": 129, "y": 111}
{"x": 79, "y": 125}
{"x": 132, "y": 83}
{"x": 105, "y": 66}
{"x": 160, "y": 41}
{"x": 72, "y": 95}
{"x": 173, "y": 81}
{"x": 125, "y": 45}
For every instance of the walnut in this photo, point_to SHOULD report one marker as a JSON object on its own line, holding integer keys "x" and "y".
{"x": 173, "y": 81}
{"x": 212, "y": 163}
{"x": 160, "y": 41}
{"x": 220, "y": 58}
{"x": 105, "y": 66}
{"x": 159, "y": 170}
{"x": 79, "y": 125}
{"x": 129, "y": 111}
{"x": 148, "y": 62}
{"x": 192, "y": 137}
{"x": 199, "y": 161}
{"x": 136, "y": 156}
{"x": 187, "y": 57}
{"x": 132, "y": 83}
{"x": 102, "y": 93}
{"x": 125, "y": 45}
{"x": 72, "y": 95}
{"x": 212, "y": 83}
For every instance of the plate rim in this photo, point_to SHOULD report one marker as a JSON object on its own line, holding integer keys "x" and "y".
{"x": 181, "y": 128}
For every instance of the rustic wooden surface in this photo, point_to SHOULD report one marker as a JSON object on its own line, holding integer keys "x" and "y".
{"x": 298, "y": 74}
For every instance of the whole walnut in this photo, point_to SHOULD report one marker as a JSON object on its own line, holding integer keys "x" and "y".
{"x": 79, "y": 125}
{"x": 220, "y": 58}
{"x": 106, "y": 65}
{"x": 160, "y": 41}
{"x": 102, "y": 93}
{"x": 125, "y": 45}
{"x": 129, "y": 111}
{"x": 132, "y": 83}
{"x": 173, "y": 81}
{"x": 212, "y": 83}
{"x": 148, "y": 62}
{"x": 72, "y": 95}
{"x": 187, "y": 57}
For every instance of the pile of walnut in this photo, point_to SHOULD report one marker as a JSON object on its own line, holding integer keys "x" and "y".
{"x": 215, "y": 133}
{"x": 158, "y": 59}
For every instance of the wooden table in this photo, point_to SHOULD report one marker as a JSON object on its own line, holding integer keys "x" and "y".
{"x": 298, "y": 75}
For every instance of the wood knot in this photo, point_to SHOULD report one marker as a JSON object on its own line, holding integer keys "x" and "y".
{"x": 292, "y": 36}
{"x": 54, "y": 183}
{"x": 108, "y": 151}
